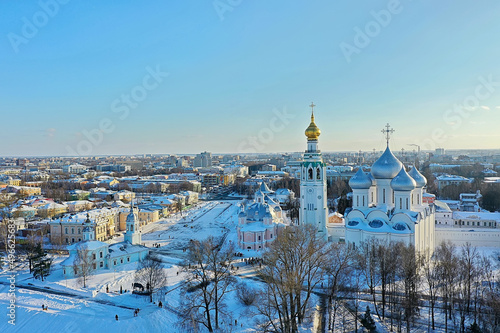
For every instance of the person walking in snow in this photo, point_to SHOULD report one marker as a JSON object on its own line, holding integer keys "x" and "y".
{"x": 116, "y": 317}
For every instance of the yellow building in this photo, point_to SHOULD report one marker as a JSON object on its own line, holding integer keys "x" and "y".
{"x": 145, "y": 217}
{"x": 218, "y": 179}
{"x": 51, "y": 209}
{"x": 14, "y": 181}
{"x": 68, "y": 229}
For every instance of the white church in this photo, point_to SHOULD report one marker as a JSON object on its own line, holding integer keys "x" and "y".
{"x": 103, "y": 255}
{"x": 388, "y": 205}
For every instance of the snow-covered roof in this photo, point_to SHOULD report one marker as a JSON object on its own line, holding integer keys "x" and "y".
{"x": 442, "y": 206}
{"x": 477, "y": 216}
{"x": 120, "y": 249}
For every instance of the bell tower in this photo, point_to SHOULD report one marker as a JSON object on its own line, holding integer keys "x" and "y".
{"x": 132, "y": 235}
{"x": 313, "y": 206}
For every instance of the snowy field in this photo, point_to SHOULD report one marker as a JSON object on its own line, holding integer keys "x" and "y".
{"x": 73, "y": 309}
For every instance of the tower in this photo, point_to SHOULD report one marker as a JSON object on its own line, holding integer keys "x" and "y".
{"x": 132, "y": 235}
{"x": 88, "y": 230}
{"x": 313, "y": 207}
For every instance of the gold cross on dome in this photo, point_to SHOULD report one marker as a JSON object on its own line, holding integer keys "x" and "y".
{"x": 312, "y": 107}
{"x": 387, "y": 133}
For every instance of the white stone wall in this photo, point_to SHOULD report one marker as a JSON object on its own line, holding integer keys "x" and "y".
{"x": 478, "y": 237}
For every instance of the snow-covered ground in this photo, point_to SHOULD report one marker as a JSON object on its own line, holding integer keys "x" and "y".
{"x": 73, "y": 309}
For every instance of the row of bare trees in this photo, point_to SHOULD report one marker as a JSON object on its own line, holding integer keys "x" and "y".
{"x": 456, "y": 282}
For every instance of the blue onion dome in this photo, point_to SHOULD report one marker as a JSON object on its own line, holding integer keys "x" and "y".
{"x": 360, "y": 180}
{"x": 387, "y": 166}
{"x": 419, "y": 178}
{"x": 403, "y": 181}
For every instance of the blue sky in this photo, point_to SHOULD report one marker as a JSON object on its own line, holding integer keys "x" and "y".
{"x": 235, "y": 68}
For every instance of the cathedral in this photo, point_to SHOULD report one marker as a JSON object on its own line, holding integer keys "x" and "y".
{"x": 388, "y": 205}
{"x": 313, "y": 207}
{"x": 260, "y": 221}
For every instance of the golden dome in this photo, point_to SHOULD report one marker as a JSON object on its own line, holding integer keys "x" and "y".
{"x": 313, "y": 132}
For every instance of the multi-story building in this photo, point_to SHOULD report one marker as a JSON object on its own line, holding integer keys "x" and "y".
{"x": 74, "y": 168}
{"x": 68, "y": 229}
{"x": 218, "y": 179}
{"x": 203, "y": 160}
{"x": 446, "y": 180}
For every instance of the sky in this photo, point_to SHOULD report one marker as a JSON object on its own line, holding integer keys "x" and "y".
{"x": 238, "y": 76}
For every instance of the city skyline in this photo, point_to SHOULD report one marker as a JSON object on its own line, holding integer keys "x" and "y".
{"x": 159, "y": 78}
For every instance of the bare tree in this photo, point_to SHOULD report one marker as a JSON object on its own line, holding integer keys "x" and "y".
{"x": 408, "y": 272}
{"x": 430, "y": 274}
{"x": 247, "y": 295}
{"x": 367, "y": 265}
{"x": 292, "y": 269}
{"x": 84, "y": 264}
{"x": 150, "y": 273}
{"x": 339, "y": 269}
{"x": 447, "y": 266}
{"x": 209, "y": 279}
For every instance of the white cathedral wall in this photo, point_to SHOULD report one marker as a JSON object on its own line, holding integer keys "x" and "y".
{"x": 384, "y": 184}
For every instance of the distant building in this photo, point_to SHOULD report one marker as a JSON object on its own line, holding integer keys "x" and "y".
{"x": 439, "y": 151}
{"x": 218, "y": 179}
{"x": 74, "y": 168}
{"x": 446, "y": 180}
{"x": 470, "y": 202}
{"x": 113, "y": 168}
{"x": 203, "y": 160}
{"x": 269, "y": 167}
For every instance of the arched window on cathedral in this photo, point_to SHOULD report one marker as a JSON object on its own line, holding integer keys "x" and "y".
{"x": 318, "y": 174}
{"x": 363, "y": 200}
{"x": 406, "y": 203}
{"x": 418, "y": 199}
{"x": 310, "y": 173}
{"x": 400, "y": 203}
{"x": 372, "y": 197}
{"x": 412, "y": 199}
{"x": 357, "y": 200}
{"x": 383, "y": 195}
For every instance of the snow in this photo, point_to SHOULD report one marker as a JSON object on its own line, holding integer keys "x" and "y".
{"x": 72, "y": 308}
